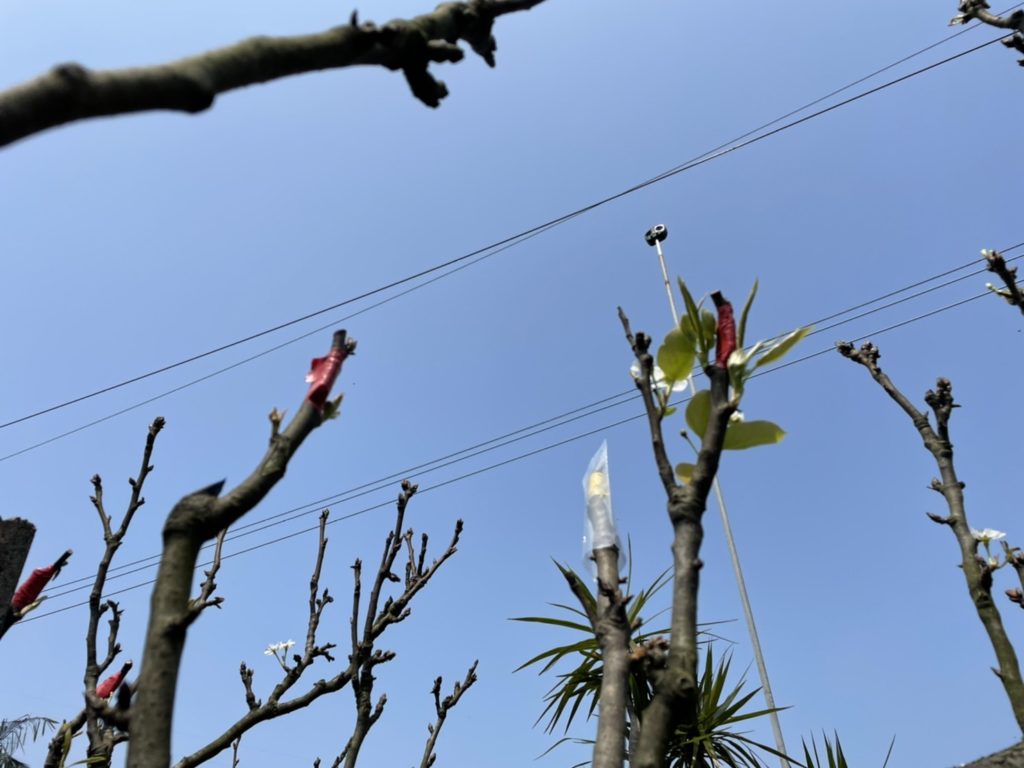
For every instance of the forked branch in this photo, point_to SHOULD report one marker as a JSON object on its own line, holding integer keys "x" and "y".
{"x": 70, "y": 92}
{"x": 977, "y": 571}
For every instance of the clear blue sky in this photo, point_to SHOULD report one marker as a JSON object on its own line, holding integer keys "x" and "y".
{"x": 134, "y": 242}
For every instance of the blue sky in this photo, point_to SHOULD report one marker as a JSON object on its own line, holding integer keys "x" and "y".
{"x": 142, "y": 240}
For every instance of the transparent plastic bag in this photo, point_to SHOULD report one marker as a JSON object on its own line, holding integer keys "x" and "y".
{"x": 599, "y": 522}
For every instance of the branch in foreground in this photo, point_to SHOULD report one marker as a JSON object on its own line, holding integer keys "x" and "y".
{"x": 442, "y": 707}
{"x": 968, "y": 10}
{"x": 194, "y": 520}
{"x": 70, "y": 92}
{"x": 977, "y": 571}
{"x": 675, "y": 674}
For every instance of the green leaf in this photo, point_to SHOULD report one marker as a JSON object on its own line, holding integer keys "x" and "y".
{"x": 332, "y": 408}
{"x": 748, "y": 434}
{"x": 742, "y": 331}
{"x": 676, "y": 356}
{"x": 691, "y": 306}
{"x": 709, "y": 326}
{"x": 684, "y": 472}
{"x": 777, "y": 352}
{"x": 698, "y": 412}
{"x": 670, "y": 410}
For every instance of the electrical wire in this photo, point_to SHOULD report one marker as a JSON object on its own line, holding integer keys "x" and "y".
{"x": 536, "y": 428}
{"x": 513, "y": 459}
{"x": 510, "y": 438}
{"x": 512, "y": 240}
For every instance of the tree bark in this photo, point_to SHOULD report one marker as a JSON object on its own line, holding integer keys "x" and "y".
{"x": 70, "y": 92}
{"x": 194, "y": 520}
{"x": 15, "y": 541}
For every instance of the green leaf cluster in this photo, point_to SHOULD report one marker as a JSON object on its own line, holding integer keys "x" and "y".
{"x": 582, "y": 684}
{"x": 691, "y": 341}
{"x": 711, "y": 742}
{"x": 834, "y": 757}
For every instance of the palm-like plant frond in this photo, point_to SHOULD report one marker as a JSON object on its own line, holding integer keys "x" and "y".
{"x": 711, "y": 741}
{"x": 15, "y": 732}
{"x": 568, "y": 695}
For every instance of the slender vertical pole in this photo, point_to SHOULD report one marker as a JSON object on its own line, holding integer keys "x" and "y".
{"x": 748, "y": 613}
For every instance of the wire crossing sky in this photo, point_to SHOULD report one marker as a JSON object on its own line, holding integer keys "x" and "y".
{"x": 134, "y": 243}
{"x": 504, "y": 244}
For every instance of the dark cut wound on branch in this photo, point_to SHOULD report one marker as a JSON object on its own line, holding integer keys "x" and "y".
{"x": 977, "y": 572}
{"x": 70, "y": 92}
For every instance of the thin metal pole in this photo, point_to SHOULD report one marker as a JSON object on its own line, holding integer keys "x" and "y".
{"x": 668, "y": 285}
{"x": 748, "y": 612}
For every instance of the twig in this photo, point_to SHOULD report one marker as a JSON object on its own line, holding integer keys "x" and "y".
{"x": 70, "y": 92}
{"x": 365, "y": 657}
{"x": 274, "y": 707}
{"x": 1008, "y": 274}
{"x": 977, "y": 572}
{"x": 442, "y": 707}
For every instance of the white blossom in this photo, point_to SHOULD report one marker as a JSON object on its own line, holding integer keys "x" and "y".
{"x": 659, "y": 378}
{"x": 273, "y": 648}
{"x": 985, "y": 535}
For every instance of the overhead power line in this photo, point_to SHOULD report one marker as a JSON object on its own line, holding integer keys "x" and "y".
{"x": 532, "y": 430}
{"x": 747, "y": 140}
{"x": 513, "y": 459}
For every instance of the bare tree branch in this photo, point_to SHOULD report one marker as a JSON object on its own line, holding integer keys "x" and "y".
{"x": 968, "y": 10}
{"x": 442, "y": 708}
{"x": 193, "y": 521}
{"x": 274, "y": 707}
{"x": 977, "y": 571}
{"x": 70, "y": 92}
{"x": 675, "y": 673}
{"x": 1008, "y": 274}
{"x": 106, "y": 726}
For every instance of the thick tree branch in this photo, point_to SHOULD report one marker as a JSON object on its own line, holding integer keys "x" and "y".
{"x": 612, "y": 630}
{"x": 194, "y": 520}
{"x": 442, "y": 707}
{"x": 977, "y": 572}
{"x": 15, "y": 541}
{"x": 675, "y": 675}
{"x": 70, "y": 92}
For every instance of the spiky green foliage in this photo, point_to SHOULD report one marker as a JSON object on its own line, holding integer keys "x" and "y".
{"x": 834, "y": 757}
{"x": 710, "y": 743}
{"x": 14, "y": 733}
{"x": 574, "y": 688}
